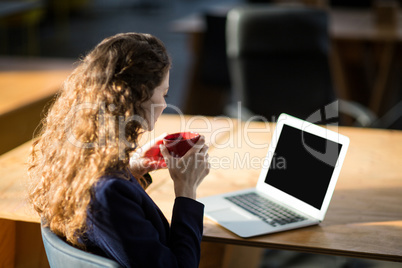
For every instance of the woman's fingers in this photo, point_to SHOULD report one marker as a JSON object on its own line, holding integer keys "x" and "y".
{"x": 165, "y": 153}
{"x": 195, "y": 159}
{"x": 204, "y": 150}
{"x": 188, "y": 171}
{"x": 197, "y": 147}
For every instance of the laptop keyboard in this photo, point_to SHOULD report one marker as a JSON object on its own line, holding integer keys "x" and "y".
{"x": 265, "y": 209}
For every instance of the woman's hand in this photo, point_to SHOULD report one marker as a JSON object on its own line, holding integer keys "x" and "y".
{"x": 147, "y": 158}
{"x": 188, "y": 171}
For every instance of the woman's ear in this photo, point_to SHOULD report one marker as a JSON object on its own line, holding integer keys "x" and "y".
{"x": 145, "y": 92}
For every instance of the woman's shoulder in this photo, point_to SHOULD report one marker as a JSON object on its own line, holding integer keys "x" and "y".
{"x": 116, "y": 184}
{"x": 112, "y": 193}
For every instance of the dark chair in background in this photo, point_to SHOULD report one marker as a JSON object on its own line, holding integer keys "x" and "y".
{"x": 279, "y": 59}
{"x": 210, "y": 86}
{"x": 358, "y": 4}
{"x": 214, "y": 67}
{"x": 279, "y": 62}
{"x": 351, "y": 3}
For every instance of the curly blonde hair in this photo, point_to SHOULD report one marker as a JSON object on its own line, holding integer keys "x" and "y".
{"x": 91, "y": 128}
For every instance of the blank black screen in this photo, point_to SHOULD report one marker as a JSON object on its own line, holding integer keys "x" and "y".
{"x": 295, "y": 169}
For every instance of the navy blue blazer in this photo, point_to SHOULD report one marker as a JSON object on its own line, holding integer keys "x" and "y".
{"x": 124, "y": 224}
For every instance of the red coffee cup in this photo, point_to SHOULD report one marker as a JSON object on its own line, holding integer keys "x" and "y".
{"x": 179, "y": 143}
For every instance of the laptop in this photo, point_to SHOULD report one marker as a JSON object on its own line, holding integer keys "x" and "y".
{"x": 295, "y": 185}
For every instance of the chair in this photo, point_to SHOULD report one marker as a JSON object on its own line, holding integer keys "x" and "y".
{"x": 279, "y": 62}
{"x": 214, "y": 70}
{"x": 209, "y": 87}
{"x": 60, "y": 254}
{"x": 351, "y": 4}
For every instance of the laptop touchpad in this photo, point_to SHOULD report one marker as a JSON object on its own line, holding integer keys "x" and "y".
{"x": 229, "y": 215}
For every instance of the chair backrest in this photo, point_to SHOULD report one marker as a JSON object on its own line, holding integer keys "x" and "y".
{"x": 214, "y": 68}
{"x": 351, "y": 4}
{"x": 60, "y": 254}
{"x": 279, "y": 59}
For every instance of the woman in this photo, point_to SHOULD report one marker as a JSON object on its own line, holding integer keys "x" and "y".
{"x": 83, "y": 184}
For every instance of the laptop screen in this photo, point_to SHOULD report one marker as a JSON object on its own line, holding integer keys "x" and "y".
{"x": 302, "y": 165}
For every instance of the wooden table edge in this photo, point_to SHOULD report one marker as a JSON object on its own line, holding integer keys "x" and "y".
{"x": 312, "y": 250}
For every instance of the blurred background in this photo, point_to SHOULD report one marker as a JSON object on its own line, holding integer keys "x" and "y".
{"x": 41, "y": 39}
{"x": 39, "y": 30}
{"x": 69, "y": 29}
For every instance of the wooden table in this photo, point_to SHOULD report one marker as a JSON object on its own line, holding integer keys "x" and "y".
{"x": 26, "y": 86}
{"x": 364, "y": 219}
